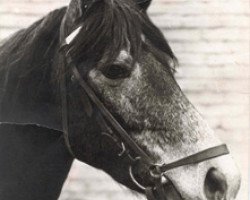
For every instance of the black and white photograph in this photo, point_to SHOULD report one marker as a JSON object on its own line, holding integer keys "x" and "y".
{"x": 124, "y": 99}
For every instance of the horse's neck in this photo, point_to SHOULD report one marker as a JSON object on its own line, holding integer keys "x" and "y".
{"x": 33, "y": 163}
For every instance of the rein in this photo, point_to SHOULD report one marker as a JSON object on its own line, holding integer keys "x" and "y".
{"x": 120, "y": 136}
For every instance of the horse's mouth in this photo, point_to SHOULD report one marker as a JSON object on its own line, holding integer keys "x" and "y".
{"x": 166, "y": 191}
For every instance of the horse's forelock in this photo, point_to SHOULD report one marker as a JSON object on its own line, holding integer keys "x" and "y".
{"x": 110, "y": 26}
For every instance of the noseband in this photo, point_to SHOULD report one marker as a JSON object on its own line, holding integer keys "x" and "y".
{"x": 121, "y": 137}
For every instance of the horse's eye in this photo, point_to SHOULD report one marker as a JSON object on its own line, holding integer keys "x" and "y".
{"x": 116, "y": 71}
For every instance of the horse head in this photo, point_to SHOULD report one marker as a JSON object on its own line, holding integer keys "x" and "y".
{"x": 129, "y": 65}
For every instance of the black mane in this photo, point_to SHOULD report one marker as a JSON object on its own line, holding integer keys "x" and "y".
{"x": 32, "y": 46}
{"x": 109, "y": 26}
{"x": 27, "y": 92}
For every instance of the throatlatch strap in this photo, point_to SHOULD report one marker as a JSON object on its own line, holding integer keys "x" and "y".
{"x": 64, "y": 100}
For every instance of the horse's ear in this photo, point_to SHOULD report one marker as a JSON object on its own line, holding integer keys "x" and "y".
{"x": 74, "y": 11}
{"x": 77, "y": 8}
{"x": 144, "y": 4}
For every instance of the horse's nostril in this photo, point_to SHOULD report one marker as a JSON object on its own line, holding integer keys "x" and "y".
{"x": 215, "y": 185}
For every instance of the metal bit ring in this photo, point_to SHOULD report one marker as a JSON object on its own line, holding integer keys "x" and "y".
{"x": 134, "y": 179}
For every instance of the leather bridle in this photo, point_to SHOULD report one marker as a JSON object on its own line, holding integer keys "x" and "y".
{"x": 120, "y": 136}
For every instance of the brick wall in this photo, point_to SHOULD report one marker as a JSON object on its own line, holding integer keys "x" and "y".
{"x": 211, "y": 40}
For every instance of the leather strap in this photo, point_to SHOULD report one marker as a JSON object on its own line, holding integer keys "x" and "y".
{"x": 109, "y": 117}
{"x": 150, "y": 193}
{"x": 197, "y": 158}
{"x": 64, "y": 92}
{"x": 65, "y": 115}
